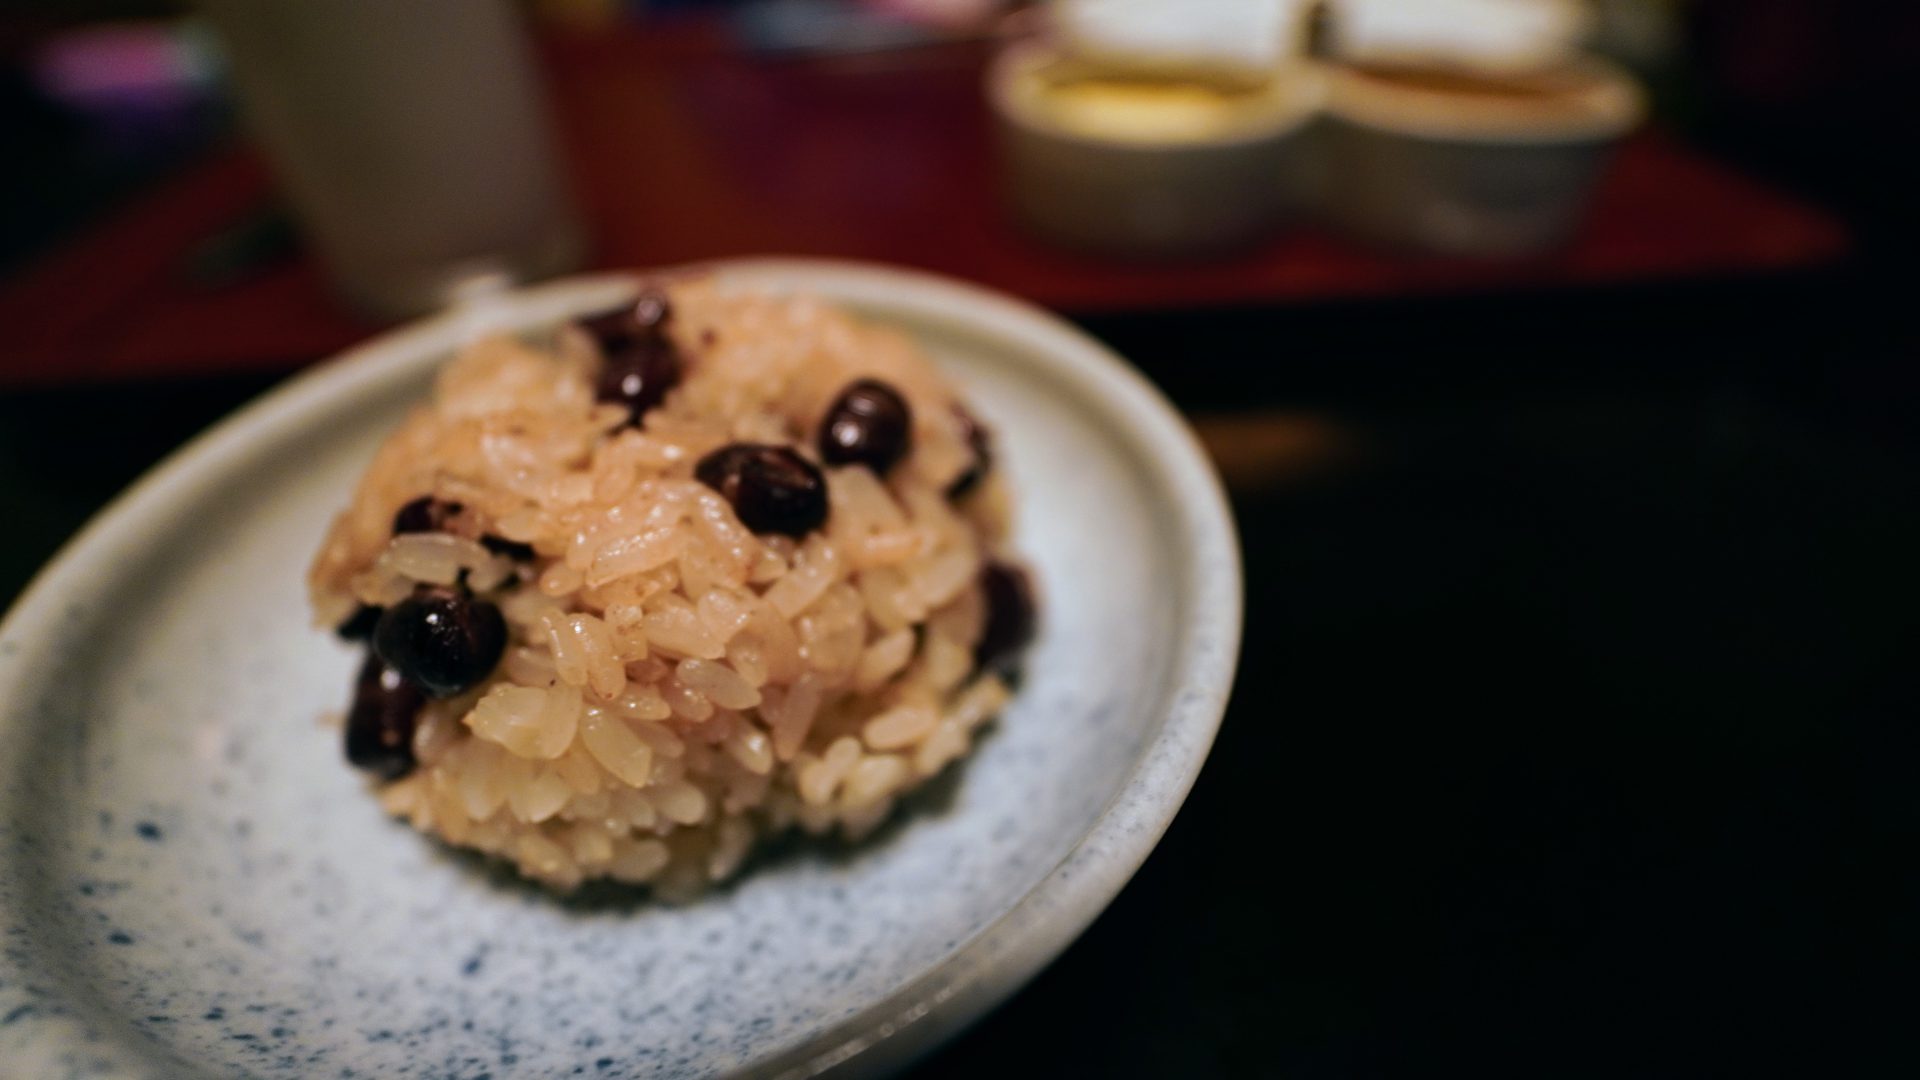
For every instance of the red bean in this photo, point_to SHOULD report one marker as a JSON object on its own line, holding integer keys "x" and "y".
{"x": 425, "y": 514}
{"x": 443, "y": 641}
{"x": 512, "y": 549}
{"x": 869, "y": 424}
{"x": 380, "y": 723}
{"x": 771, "y": 488}
{"x": 640, "y": 362}
{"x": 645, "y": 315}
{"x": 359, "y": 626}
{"x": 980, "y": 440}
{"x": 1011, "y": 616}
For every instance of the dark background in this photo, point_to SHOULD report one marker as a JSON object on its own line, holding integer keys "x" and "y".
{"x": 1574, "y": 731}
{"x": 1576, "y": 726}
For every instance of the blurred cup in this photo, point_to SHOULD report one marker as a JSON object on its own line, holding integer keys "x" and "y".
{"x": 1448, "y": 159}
{"x": 411, "y": 139}
{"x": 1133, "y": 161}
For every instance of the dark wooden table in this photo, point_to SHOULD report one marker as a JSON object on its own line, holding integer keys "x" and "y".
{"x": 685, "y": 148}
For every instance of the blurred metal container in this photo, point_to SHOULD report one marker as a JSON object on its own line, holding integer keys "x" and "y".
{"x": 411, "y": 139}
{"x": 1147, "y": 164}
{"x": 1468, "y": 163}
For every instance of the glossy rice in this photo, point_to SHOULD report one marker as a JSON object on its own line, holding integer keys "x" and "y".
{"x": 676, "y": 687}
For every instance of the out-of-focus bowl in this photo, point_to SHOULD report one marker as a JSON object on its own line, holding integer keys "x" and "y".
{"x": 194, "y": 885}
{"x": 1433, "y": 169}
{"x": 1130, "y": 180}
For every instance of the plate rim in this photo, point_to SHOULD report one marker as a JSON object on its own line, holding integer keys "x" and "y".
{"x": 1012, "y": 947}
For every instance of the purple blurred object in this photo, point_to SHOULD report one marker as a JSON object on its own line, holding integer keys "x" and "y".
{"x": 137, "y": 86}
{"x": 127, "y": 67}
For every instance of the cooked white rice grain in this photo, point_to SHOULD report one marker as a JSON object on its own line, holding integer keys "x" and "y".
{"x": 674, "y": 686}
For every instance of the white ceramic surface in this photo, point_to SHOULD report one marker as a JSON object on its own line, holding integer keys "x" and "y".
{"x": 193, "y": 883}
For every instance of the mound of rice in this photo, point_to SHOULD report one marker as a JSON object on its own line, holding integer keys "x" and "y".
{"x": 671, "y": 686}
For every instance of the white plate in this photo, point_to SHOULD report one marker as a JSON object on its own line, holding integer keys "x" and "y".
{"x": 193, "y": 883}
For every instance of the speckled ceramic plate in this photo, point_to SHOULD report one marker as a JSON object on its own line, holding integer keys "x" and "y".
{"x": 193, "y": 884}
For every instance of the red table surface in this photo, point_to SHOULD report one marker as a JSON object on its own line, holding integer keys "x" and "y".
{"x": 683, "y": 148}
